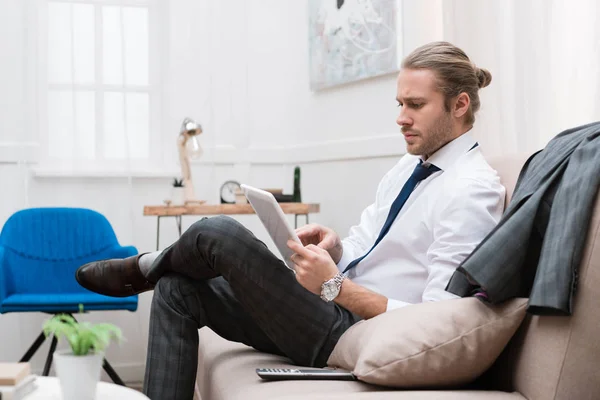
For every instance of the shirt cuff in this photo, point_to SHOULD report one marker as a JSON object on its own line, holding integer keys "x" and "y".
{"x": 394, "y": 304}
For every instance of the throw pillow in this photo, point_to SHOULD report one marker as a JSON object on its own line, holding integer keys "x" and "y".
{"x": 435, "y": 344}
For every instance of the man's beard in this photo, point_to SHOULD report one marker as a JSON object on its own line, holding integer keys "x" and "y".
{"x": 439, "y": 135}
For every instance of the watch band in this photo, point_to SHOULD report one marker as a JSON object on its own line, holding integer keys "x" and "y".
{"x": 339, "y": 278}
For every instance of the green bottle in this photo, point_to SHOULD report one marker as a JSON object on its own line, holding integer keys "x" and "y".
{"x": 296, "y": 196}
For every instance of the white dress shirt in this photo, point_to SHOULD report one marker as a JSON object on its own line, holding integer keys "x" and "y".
{"x": 441, "y": 223}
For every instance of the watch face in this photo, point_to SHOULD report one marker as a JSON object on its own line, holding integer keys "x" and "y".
{"x": 330, "y": 290}
{"x": 228, "y": 191}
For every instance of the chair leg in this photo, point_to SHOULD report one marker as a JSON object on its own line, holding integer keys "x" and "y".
{"x": 50, "y": 355}
{"x": 34, "y": 347}
{"x": 112, "y": 373}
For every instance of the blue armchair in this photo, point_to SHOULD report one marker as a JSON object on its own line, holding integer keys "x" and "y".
{"x": 40, "y": 250}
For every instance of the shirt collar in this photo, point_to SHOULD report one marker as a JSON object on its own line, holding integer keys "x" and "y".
{"x": 451, "y": 151}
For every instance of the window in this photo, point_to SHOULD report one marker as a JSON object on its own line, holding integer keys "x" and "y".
{"x": 99, "y": 104}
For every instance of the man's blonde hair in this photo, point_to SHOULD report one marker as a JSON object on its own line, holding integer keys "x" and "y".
{"x": 454, "y": 71}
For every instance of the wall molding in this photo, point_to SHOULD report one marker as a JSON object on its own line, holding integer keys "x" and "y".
{"x": 104, "y": 171}
{"x": 387, "y": 145}
{"x": 375, "y": 146}
{"x": 129, "y": 372}
{"x": 18, "y": 152}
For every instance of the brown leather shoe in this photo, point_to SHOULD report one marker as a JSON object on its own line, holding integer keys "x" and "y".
{"x": 119, "y": 277}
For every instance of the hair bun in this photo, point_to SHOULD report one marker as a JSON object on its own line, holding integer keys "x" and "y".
{"x": 483, "y": 76}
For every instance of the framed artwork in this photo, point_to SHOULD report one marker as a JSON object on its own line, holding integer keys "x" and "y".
{"x": 350, "y": 40}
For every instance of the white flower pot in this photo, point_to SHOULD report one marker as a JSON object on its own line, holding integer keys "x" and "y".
{"x": 178, "y": 196}
{"x": 78, "y": 375}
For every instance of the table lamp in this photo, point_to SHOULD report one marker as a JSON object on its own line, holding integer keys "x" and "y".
{"x": 189, "y": 148}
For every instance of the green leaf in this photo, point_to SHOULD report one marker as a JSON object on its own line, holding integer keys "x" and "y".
{"x": 82, "y": 337}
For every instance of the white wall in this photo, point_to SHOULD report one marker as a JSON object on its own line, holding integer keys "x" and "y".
{"x": 240, "y": 68}
{"x": 12, "y": 79}
{"x": 252, "y": 99}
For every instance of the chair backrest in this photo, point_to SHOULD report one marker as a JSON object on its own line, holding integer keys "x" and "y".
{"x": 557, "y": 357}
{"x": 41, "y": 248}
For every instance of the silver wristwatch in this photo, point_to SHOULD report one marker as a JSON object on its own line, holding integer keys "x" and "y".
{"x": 331, "y": 288}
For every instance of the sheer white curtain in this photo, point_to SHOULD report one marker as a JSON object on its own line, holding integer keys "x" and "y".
{"x": 96, "y": 84}
{"x": 544, "y": 56}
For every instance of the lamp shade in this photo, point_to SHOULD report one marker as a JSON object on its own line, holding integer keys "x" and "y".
{"x": 190, "y": 127}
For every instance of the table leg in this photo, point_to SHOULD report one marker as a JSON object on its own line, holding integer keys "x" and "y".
{"x": 157, "y": 231}
{"x": 296, "y": 219}
{"x": 178, "y": 221}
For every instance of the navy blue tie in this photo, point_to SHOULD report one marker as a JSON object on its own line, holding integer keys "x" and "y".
{"x": 420, "y": 173}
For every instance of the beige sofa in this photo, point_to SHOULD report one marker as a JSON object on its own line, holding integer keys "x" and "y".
{"x": 549, "y": 357}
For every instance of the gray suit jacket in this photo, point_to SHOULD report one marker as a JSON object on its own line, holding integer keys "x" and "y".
{"x": 536, "y": 248}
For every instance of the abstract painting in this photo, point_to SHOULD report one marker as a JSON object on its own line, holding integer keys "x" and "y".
{"x": 352, "y": 40}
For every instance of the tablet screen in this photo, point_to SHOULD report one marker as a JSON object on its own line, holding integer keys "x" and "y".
{"x": 273, "y": 218}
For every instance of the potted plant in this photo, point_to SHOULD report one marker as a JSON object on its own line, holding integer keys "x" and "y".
{"x": 178, "y": 193}
{"x": 78, "y": 368}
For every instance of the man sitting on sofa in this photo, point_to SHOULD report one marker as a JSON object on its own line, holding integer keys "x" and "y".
{"x": 430, "y": 211}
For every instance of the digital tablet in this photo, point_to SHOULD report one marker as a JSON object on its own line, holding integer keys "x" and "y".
{"x": 271, "y": 215}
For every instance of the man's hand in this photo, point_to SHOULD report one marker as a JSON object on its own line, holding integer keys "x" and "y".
{"x": 313, "y": 266}
{"x": 322, "y": 237}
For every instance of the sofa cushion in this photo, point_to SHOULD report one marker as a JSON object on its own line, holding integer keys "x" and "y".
{"x": 437, "y": 344}
{"x": 226, "y": 372}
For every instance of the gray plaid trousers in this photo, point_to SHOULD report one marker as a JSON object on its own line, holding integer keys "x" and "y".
{"x": 219, "y": 275}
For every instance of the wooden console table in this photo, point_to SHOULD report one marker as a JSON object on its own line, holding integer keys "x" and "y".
{"x": 217, "y": 209}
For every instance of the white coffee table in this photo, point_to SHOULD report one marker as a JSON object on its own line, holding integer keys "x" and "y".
{"x": 48, "y": 388}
